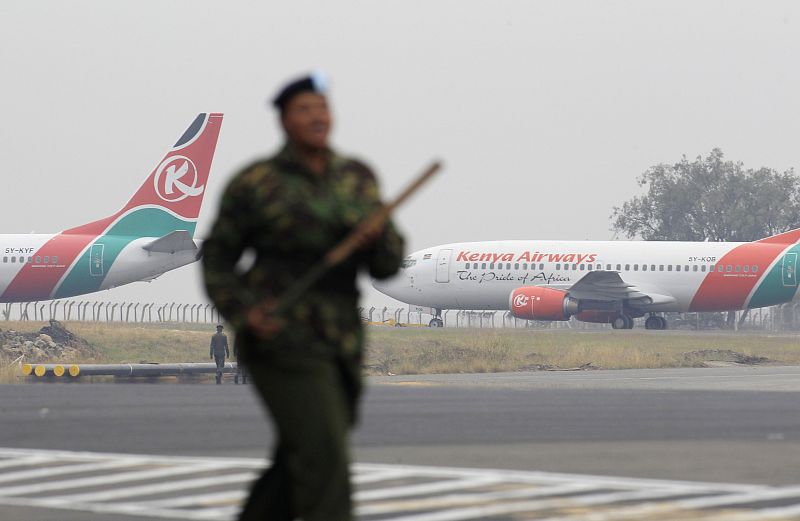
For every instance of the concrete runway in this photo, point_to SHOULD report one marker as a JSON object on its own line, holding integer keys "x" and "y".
{"x": 736, "y": 424}
{"x": 729, "y": 424}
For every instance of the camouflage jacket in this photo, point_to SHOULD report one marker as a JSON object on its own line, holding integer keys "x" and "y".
{"x": 288, "y": 218}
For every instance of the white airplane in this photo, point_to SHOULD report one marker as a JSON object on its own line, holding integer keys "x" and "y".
{"x": 605, "y": 282}
{"x": 150, "y": 235}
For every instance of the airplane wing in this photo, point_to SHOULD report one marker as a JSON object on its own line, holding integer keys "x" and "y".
{"x": 176, "y": 241}
{"x": 609, "y": 286}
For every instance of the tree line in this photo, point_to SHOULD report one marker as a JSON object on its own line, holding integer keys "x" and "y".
{"x": 711, "y": 199}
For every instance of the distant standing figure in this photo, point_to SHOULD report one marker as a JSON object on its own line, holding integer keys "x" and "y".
{"x": 219, "y": 350}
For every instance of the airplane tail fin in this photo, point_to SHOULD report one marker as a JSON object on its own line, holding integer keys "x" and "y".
{"x": 170, "y": 197}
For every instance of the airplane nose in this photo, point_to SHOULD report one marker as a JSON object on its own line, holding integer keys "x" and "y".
{"x": 388, "y": 287}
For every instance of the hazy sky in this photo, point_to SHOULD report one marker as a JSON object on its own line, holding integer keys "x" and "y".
{"x": 543, "y": 112}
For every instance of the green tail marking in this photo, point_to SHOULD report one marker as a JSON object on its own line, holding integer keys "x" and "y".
{"x": 86, "y": 275}
{"x": 780, "y": 284}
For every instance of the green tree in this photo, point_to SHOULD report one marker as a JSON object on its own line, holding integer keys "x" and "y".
{"x": 710, "y": 199}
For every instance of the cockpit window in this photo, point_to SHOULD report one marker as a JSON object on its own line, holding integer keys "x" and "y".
{"x": 408, "y": 262}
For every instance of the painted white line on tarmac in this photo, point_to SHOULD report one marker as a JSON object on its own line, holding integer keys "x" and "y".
{"x": 423, "y": 494}
{"x": 22, "y": 461}
{"x": 142, "y": 459}
{"x": 540, "y": 478}
{"x": 72, "y": 468}
{"x": 734, "y": 499}
{"x": 787, "y": 512}
{"x": 107, "y": 480}
{"x": 197, "y": 500}
{"x": 111, "y": 508}
{"x": 487, "y": 511}
{"x": 155, "y": 488}
{"x": 216, "y": 514}
{"x": 426, "y": 488}
{"x": 688, "y": 505}
{"x": 376, "y": 476}
{"x": 458, "y": 500}
{"x": 705, "y": 503}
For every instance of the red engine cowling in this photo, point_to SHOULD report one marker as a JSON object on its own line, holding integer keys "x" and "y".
{"x": 539, "y": 303}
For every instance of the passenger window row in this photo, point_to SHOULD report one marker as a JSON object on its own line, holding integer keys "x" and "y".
{"x": 31, "y": 260}
{"x": 500, "y": 266}
{"x": 720, "y": 268}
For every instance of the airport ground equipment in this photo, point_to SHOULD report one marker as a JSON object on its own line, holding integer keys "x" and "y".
{"x": 147, "y": 370}
{"x": 43, "y": 370}
{"x": 74, "y": 371}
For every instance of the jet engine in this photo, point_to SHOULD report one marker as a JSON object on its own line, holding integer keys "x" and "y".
{"x": 539, "y": 303}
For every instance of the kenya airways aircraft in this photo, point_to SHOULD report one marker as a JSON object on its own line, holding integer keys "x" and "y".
{"x": 150, "y": 235}
{"x": 607, "y": 282}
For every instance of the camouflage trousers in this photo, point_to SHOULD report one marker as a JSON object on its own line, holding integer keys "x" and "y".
{"x": 312, "y": 402}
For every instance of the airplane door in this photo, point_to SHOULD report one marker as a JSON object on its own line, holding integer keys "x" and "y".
{"x": 789, "y": 270}
{"x": 443, "y": 266}
{"x": 96, "y": 260}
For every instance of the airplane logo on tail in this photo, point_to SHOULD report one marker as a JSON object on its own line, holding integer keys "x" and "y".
{"x": 150, "y": 235}
{"x": 172, "y": 170}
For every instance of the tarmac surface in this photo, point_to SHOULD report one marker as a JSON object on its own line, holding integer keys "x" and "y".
{"x": 735, "y": 429}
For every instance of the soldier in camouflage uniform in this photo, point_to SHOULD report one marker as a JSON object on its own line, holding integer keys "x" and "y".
{"x": 289, "y": 210}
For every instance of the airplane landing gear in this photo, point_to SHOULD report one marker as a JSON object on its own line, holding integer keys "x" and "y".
{"x": 622, "y": 322}
{"x": 437, "y": 321}
{"x": 655, "y": 322}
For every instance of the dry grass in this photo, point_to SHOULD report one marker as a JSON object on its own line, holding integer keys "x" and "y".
{"x": 123, "y": 343}
{"x": 409, "y": 351}
{"x": 9, "y": 371}
{"x": 126, "y": 343}
{"x": 423, "y": 350}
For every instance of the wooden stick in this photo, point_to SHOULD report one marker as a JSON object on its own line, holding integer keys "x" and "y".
{"x": 342, "y": 251}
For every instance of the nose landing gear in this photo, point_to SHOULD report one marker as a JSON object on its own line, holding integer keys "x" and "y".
{"x": 437, "y": 321}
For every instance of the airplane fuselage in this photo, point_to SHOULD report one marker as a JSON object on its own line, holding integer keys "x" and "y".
{"x": 26, "y": 274}
{"x": 150, "y": 235}
{"x": 673, "y": 276}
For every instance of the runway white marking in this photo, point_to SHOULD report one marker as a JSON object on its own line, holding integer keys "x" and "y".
{"x": 158, "y": 488}
{"x": 105, "y": 479}
{"x": 65, "y": 469}
{"x": 213, "y": 489}
{"x": 426, "y": 488}
{"x": 21, "y": 462}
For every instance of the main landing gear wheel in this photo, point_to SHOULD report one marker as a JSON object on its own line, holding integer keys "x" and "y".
{"x": 436, "y": 322}
{"x": 655, "y": 322}
{"x": 622, "y": 322}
